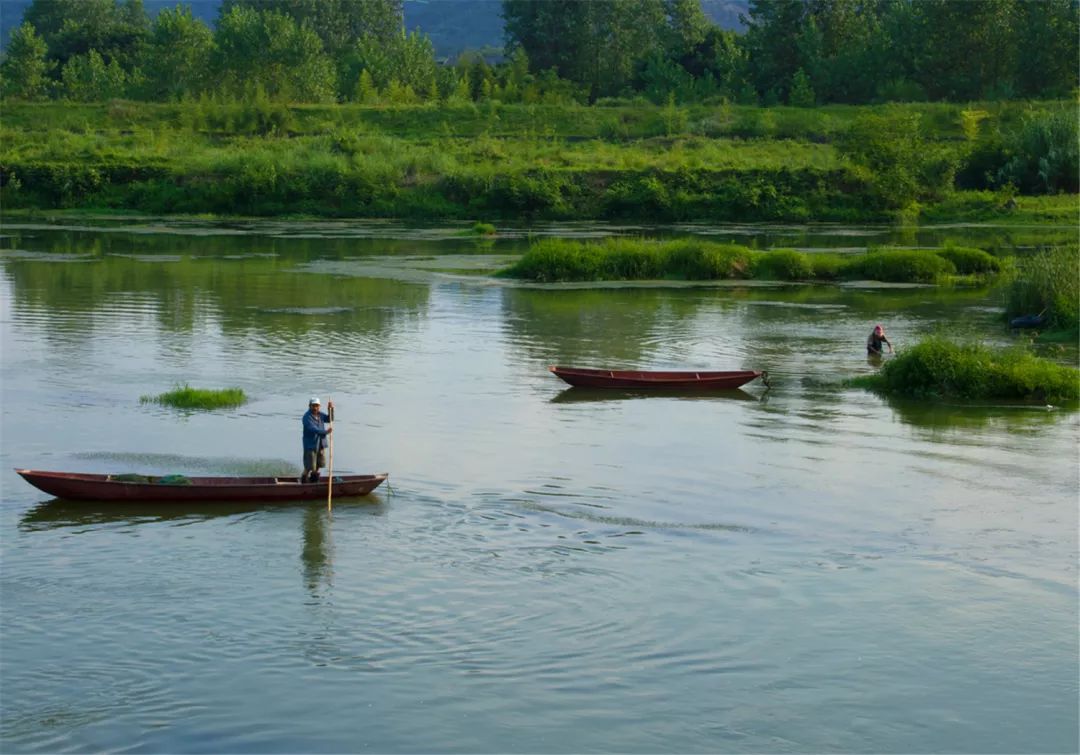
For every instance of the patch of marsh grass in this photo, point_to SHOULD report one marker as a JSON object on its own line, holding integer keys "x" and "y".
{"x": 939, "y": 368}
{"x": 186, "y": 397}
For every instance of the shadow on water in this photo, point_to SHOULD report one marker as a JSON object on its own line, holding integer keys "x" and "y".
{"x": 58, "y": 513}
{"x": 585, "y": 395}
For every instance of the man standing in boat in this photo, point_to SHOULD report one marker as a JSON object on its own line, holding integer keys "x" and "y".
{"x": 316, "y": 428}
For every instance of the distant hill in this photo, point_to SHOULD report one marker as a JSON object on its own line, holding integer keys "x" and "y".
{"x": 453, "y": 25}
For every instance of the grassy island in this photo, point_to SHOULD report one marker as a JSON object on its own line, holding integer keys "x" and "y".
{"x": 556, "y": 260}
{"x": 938, "y": 368}
{"x": 186, "y": 397}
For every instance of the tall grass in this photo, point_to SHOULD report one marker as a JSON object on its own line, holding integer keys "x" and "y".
{"x": 186, "y": 397}
{"x": 938, "y": 368}
{"x": 1048, "y": 283}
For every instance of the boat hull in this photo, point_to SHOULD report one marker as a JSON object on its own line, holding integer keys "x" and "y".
{"x": 74, "y": 486}
{"x": 684, "y": 380}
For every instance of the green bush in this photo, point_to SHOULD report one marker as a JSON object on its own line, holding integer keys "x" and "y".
{"x": 826, "y": 266}
{"x": 970, "y": 261}
{"x": 898, "y": 266}
{"x": 705, "y": 261}
{"x": 940, "y": 368}
{"x": 783, "y": 264}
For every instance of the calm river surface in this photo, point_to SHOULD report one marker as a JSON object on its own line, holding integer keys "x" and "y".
{"x": 803, "y": 569}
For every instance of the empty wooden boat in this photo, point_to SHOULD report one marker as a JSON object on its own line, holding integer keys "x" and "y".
{"x": 682, "y": 379}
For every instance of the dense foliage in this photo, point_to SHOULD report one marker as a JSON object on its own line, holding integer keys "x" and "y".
{"x": 799, "y": 52}
{"x": 938, "y": 368}
{"x": 260, "y": 156}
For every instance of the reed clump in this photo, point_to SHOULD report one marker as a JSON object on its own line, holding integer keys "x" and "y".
{"x": 939, "y": 368}
{"x": 1048, "y": 283}
{"x": 186, "y": 397}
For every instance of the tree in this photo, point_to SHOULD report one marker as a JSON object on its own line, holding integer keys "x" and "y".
{"x": 178, "y": 55}
{"x": 1047, "y": 32}
{"x": 802, "y": 93}
{"x": 269, "y": 49}
{"x": 407, "y": 58}
{"x": 597, "y": 44}
{"x": 74, "y": 27}
{"x": 339, "y": 23}
{"x": 87, "y": 78}
{"x": 773, "y": 28}
{"x": 24, "y": 72}
{"x": 967, "y": 49}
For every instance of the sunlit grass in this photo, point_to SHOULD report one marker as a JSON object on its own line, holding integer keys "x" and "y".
{"x": 554, "y": 260}
{"x": 186, "y": 397}
{"x": 938, "y": 368}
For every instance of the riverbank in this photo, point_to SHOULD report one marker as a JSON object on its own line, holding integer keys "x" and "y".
{"x": 491, "y": 162}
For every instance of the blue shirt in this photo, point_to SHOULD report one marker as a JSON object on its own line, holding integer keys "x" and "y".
{"x": 314, "y": 430}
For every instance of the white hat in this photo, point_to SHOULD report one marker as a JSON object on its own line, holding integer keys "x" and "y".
{"x": 314, "y": 400}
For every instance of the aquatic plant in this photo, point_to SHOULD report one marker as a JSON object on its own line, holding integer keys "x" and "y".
{"x": 783, "y": 264}
{"x": 551, "y": 260}
{"x": 939, "y": 368}
{"x": 186, "y": 397}
{"x": 1047, "y": 283}
{"x": 483, "y": 229}
{"x": 970, "y": 261}
{"x": 898, "y": 266}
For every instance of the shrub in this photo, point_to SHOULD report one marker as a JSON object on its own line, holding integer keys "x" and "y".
{"x": 939, "y": 368}
{"x": 705, "y": 261}
{"x": 825, "y": 266}
{"x": 970, "y": 261}
{"x": 898, "y": 266}
{"x": 783, "y": 264}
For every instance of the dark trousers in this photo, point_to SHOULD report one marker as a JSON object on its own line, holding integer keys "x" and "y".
{"x": 313, "y": 460}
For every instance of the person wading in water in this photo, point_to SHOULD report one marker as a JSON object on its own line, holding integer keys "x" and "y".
{"x": 875, "y": 341}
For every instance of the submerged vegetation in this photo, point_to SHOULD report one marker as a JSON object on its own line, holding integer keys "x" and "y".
{"x": 186, "y": 397}
{"x": 938, "y": 368}
{"x": 554, "y": 260}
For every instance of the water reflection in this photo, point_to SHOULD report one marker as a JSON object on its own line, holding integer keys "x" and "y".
{"x": 589, "y": 395}
{"x": 317, "y": 551}
{"x": 58, "y": 513}
{"x": 937, "y": 419}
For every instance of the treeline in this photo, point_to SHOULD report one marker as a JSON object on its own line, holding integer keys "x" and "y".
{"x": 797, "y": 52}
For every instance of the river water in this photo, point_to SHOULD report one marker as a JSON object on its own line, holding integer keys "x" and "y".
{"x": 806, "y": 568}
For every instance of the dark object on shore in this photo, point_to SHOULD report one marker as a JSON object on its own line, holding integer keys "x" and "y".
{"x": 1028, "y": 321}
{"x": 76, "y": 486}
{"x": 589, "y": 378}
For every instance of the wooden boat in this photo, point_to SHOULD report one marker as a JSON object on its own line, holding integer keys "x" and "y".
{"x": 698, "y": 380}
{"x": 76, "y": 486}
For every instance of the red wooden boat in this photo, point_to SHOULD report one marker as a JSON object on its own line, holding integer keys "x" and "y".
{"x": 698, "y": 380}
{"x": 76, "y": 486}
